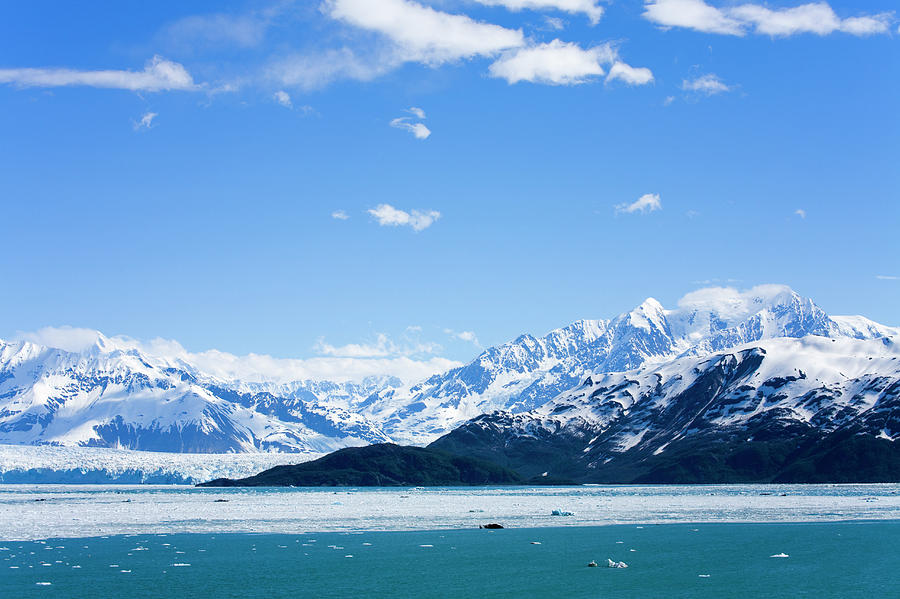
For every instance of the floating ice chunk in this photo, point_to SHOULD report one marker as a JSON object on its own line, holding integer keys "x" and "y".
{"x": 43, "y": 584}
{"x": 125, "y": 571}
{"x": 535, "y": 542}
{"x": 367, "y": 544}
{"x": 780, "y": 555}
{"x": 426, "y": 545}
{"x": 702, "y": 575}
{"x": 181, "y": 565}
{"x": 561, "y": 513}
{"x": 612, "y": 564}
{"x": 348, "y": 556}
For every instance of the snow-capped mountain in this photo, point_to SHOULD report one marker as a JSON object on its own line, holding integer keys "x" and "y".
{"x": 523, "y": 374}
{"x": 114, "y": 394}
{"x": 779, "y": 409}
{"x": 111, "y": 396}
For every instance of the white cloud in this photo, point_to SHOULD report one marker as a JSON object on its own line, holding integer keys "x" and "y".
{"x": 814, "y": 17}
{"x": 340, "y": 215}
{"x": 649, "y": 202}
{"x": 817, "y": 18}
{"x": 158, "y": 75}
{"x": 422, "y": 34}
{"x": 668, "y": 100}
{"x": 419, "y": 130}
{"x": 887, "y": 278}
{"x": 410, "y": 360}
{"x": 629, "y": 74}
{"x": 66, "y": 338}
{"x": 412, "y": 32}
{"x": 693, "y": 14}
{"x": 868, "y": 25}
{"x": 388, "y": 216}
{"x": 732, "y": 304}
{"x": 555, "y": 63}
{"x": 283, "y": 98}
{"x": 800, "y": 212}
{"x": 708, "y": 84}
{"x": 590, "y": 8}
{"x": 381, "y": 348}
{"x": 146, "y": 121}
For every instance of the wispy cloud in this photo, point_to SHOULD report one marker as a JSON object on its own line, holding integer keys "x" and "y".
{"x": 318, "y": 69}
{"x": 553, "y": 24}
{"x": 213, "y": 30}
{"x": 407, "y": 123}
{"x": 887, "y": 278}
{"x": 340, "y": 215}
{"x": 816, "y": 17}
{"x": 649, "y": 202}
{"x": 145, "y": 122}
{"x": 158, "y": 75}
{"x": 388, "y": 216}
{"x": 800, "y": 212}
{"x": 590, "y": 8}
{"x": 708, "y": 85}
{"x": 467, "y": 336}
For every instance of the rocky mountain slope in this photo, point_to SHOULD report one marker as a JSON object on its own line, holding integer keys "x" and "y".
{"x": 380, "y": 465}
{"x": 790, "y": 410}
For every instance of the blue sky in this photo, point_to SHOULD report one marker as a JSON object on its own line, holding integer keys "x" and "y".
{"x": 173, "y": 170}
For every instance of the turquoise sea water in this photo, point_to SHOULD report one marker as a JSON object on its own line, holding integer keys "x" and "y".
{"x": 836, "y": 559}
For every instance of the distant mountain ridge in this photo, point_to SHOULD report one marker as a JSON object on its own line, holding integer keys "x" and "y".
{"x": 525, "y": 373}
{"x": 116, "y": 396}
{"x": 107, "y": 396}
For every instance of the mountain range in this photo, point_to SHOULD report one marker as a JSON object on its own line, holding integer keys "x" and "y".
{"x": 606, "y": 398}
